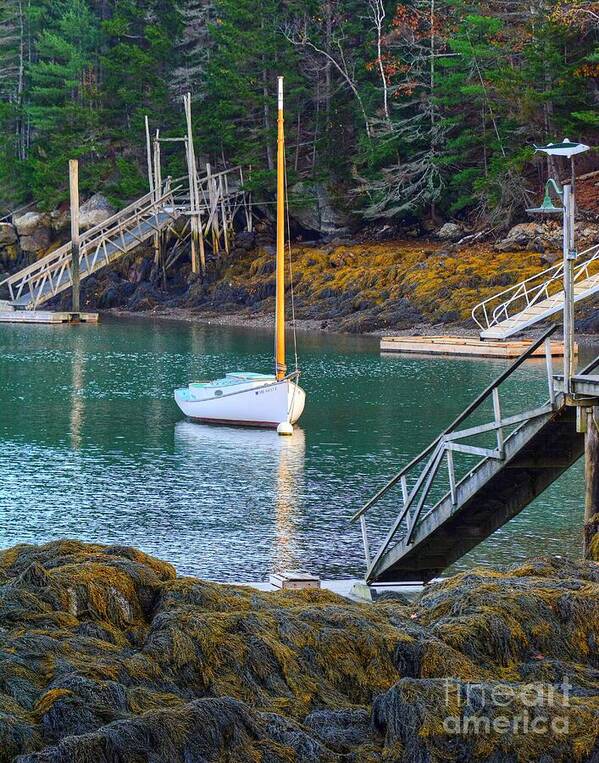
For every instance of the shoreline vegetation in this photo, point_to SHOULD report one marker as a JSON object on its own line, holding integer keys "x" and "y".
{"x": 108, "y": 655}
{"x": 360, "y": 287}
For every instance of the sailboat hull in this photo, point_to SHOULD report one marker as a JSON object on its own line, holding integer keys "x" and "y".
{"x": 255, "y": 404}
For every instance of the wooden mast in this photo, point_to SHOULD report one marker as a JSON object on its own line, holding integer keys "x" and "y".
{"x": 75, "y": 244}
{"x": 280, "y": 366}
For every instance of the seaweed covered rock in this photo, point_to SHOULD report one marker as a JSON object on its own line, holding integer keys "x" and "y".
{"x": 106, "y": 656}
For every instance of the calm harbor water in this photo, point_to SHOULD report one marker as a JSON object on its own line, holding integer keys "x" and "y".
{"x": 92, "y": 446}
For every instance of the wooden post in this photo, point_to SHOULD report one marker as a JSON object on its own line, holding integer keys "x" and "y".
{"x": 157, "y": 183}
{"x": 591, "y": 475}
{"x": 246, "y": 206}
{"x": 213, "y": 204}
{"x": 149, "y": 157}
{"x": 223, "y": 213}
{"x": 74, "y": 193}
{"x": 198, "y": 263}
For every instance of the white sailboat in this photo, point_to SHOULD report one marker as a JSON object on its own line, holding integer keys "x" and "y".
{"x": 247, "y": 398}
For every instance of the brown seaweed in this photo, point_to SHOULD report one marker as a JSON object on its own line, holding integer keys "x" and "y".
{"x": 106, "y": 656}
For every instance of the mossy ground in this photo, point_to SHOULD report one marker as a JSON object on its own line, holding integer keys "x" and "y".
{"x": 369, "y": 286}
{"x": 107, "y": 657}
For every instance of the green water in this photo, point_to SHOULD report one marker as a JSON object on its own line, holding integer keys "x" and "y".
{"x": 92, "y": 446}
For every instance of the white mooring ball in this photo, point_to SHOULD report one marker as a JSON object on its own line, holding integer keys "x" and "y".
{"x": 285, "y": 428}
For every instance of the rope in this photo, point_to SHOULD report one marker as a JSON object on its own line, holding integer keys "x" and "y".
{"x": 293, "y": 326}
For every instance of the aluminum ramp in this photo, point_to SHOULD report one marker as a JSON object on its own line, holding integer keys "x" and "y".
{"x": 537, "y": 298}
{"x": 446, "y": 507}
{"x": 100, "y": 246}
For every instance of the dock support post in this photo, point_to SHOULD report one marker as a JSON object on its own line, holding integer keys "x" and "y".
{"x": 591, "y": 496}
{"x": 223, "y": 213}
{"x": 213, "y": 211}
{"x": 365, "y": 541}
{"x": 549, "y": 367}
{"x": 497, "y": 414}
{"x": 74, "y": 195}
{"x": 198, "y": 262}
{"x": 157, "y": 183}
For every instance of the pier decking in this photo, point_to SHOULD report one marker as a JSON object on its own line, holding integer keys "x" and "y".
{"x": 465, "y": 345}
{"x": 46, "y": 316}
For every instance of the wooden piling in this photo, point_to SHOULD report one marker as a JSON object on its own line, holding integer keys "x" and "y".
{"x": 157, "y": 182}
{"x": 591, "y": 496}
{"x": 223, "y": 213}
{"x": 149, "y": 157}
{"x": 198, "y": 264}
{"x": 75, "y": 246}
{"x": 213, "y": 214}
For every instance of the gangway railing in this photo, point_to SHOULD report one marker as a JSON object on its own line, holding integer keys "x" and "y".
{"x": 100, "y": 245}
{"x": 515, "y": 300}
{"x": 221, "y": 194}
{"x": 425, "y": 486}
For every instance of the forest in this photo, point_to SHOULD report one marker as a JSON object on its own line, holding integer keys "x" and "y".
{"x": 426, "y": 109}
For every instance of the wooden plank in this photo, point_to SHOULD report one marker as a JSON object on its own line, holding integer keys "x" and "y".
{"x": 457, "y": 345}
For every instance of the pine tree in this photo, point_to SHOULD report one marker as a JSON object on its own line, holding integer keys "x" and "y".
{"x": 238, "y": 114}
{"x": 63, "y": 98}
{"x": 193, "y": 48}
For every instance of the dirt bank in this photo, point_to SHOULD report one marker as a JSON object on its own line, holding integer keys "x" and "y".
{"x": 108, "y": 656}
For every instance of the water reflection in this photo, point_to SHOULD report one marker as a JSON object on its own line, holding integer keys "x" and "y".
{"x": 277, "y": 463}
{"x": 77, "y": 399}
{"x": 92, "y": 446}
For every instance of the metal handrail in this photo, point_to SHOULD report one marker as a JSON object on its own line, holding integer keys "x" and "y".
{"x": 53, "y": 260}
{"x": 446, "y": 444}
{"x": 589, "y": 367}
{"x": 521, "y": 289}
{"x": 484, "y": 395}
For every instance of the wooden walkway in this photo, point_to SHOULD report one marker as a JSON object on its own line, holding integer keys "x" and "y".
{"x": 474, "y": 477}
{"x": 220, "y": 195}
{"x": 465, "y": 346}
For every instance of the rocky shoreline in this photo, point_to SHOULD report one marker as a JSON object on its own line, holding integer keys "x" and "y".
{"x": 369, "y": 284}
{"x": 107, "y": 655}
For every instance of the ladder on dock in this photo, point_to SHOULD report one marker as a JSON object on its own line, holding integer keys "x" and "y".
{"x": 222, "y": 196}
{"x": 455, "y": 493}
{"x": 537, "y": 298}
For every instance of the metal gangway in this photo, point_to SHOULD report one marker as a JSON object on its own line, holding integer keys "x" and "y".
{"x": 459, "y": 490}
{"x": 537, "y": 298}
{"x": 221, "y": 196}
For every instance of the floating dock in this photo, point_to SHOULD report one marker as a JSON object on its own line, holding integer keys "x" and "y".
{"x": 465, "y": 345}
{"x": 46, "y": 316}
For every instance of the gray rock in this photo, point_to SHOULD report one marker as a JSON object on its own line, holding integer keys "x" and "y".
{"x": 96, "y": 210}
{"x": 537, "y": 237}
{"x": 312, "y": 207}
{"x": 38, "y": 241}
{"x": 450, "y": 232}
{"x": 8, "y": 234}
{"x": 31, "y": 222}
{"x": 60, "y": 220}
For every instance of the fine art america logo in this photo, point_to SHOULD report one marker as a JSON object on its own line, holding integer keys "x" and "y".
{"x": 535, "y": 708}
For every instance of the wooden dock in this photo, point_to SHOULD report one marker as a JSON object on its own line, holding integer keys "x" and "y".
{"x": 465, "y": 346}
{"x": 46, "y": 316}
